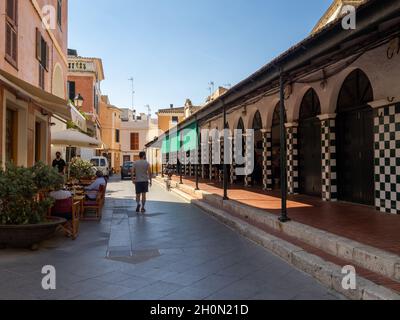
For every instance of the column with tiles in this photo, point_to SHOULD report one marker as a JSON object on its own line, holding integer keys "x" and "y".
{"x": 292, "y": 158}
{"x": 387, "y": 158}
{"x": 267, "y": 160}
{"x": 329, "y": 169}
{"x": 246, "y": 147}
{"x": 233, "y": 165}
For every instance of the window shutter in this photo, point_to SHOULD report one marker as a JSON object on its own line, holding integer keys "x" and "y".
{"x": 14, "y": 50}
{"x": 11, "y": 6}
{"x": 47, "y": 57}
{"x": 8, "y": 40}
{"x": 38, "y": 45}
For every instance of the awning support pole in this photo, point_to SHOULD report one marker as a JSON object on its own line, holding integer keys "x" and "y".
{"x": 225, "y": 166}
{"x": 197, "y": 150}
{"x": 284, "y": 215}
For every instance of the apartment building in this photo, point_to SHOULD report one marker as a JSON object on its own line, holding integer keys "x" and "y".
{"x": 33, "y": 77}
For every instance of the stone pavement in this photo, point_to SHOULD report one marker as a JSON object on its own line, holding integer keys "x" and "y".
{"x": 175, "y": 252}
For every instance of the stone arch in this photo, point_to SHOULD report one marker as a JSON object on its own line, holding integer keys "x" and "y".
{"x": 58, "y": 88}
{"x": 270, "y": 112}
{"x": 334, "y": 87}
{"x": 250, "y": 117}
{"x": 293, "y": 106}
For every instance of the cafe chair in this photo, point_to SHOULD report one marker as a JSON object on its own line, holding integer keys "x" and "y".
{"x": 69, "y": 210}
{"x": 95, "y": 205}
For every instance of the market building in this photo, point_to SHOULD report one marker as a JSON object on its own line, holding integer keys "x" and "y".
{"x": 341, "y": 119}
{"x": 33, "y": 77}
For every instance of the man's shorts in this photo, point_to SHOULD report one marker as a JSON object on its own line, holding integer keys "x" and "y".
{"x": 142, "y": 187}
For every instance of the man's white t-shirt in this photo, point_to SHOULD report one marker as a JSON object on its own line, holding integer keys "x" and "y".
{"x": 141, "y": 168}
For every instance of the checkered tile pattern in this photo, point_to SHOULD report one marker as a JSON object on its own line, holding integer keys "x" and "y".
{"x": 247, "y": 147}
{"x": 221, "y": 171}
{"x": 329, "y": 169}
{"x": 292, "y": 160}
{"x": 387, "y": 159}
{"x": 233, "y": 165}
{"x": 267, "y": 160}
{"x": 211, "y": 166}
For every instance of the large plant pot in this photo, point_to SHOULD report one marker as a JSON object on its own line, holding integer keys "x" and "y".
{"x": 28, "y": 236}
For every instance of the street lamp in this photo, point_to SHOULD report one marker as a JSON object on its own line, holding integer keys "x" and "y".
{"x": 78, "y": 101}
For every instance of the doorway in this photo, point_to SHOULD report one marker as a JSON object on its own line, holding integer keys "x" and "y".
{"x": 355, "y": 140}
{"x": 276, "y": 147}
{"x": 309, "y": 144}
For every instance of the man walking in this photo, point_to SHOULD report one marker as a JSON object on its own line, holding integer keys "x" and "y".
{"x": 141, "y": 177}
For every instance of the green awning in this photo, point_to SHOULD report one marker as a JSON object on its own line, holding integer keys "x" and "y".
{"x": 190, "y": 138}
{"x": 166, "y": 145}
{"x": 175, "y": 142}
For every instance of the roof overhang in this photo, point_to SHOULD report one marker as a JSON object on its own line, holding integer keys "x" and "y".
{"x": 372, "y": 20}
{"x": 48, "y": 101}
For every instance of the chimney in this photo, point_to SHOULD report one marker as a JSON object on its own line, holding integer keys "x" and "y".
{"x": 171, "y": 106}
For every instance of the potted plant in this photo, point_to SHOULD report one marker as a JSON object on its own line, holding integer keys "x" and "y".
{"x": 82, "y": 170}
{"x": 24, "y": 204}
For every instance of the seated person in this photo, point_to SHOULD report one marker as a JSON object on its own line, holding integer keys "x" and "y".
{"x": 63, "y": 205}
{"x": 95, "y": 186}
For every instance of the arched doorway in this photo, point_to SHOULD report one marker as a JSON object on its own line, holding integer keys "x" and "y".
{"x": 355, "y": 140}
{"x": 257, "y": 175}
{"x": 309, "y": 144}
{"x": 240, "y": 126}
{"x": 276, "y": 147}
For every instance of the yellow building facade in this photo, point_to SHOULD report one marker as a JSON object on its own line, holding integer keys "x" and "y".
{"x": 110, "y": 120}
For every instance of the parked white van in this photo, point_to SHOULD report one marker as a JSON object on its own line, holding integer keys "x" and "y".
{"x": 101, "y": 164}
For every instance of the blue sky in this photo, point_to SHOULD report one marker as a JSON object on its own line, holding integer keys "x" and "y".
{"x": 174, "y": 48}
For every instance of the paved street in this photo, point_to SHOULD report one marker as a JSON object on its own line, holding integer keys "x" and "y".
{"x": 174, "y": 252}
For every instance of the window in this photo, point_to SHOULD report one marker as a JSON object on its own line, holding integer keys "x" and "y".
{"x": 11, "y": 135}
{"x": 71, "y": 90}
{"x": 12, "y": 32}
{"x": 117, "y": 135}
{"x": 175, "y": 119}
{"x": 42, "y": 55}
{"x": 59, "y": 12}
{"x": 95, "y": 162}
{"x": 134, "y": 141}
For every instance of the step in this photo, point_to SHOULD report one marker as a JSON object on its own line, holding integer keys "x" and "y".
{"x": 372, "y": 259}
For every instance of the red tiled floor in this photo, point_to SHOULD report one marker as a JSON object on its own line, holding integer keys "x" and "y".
{"x": 360, "y": 223}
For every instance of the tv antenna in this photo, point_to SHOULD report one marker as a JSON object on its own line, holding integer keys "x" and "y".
{"x": 133, "y": 93}
{"x": 211, "y": 87}
{"x": 148, "y": 110}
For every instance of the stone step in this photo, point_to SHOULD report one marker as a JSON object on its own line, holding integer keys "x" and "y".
{"x": 378, "y": 261}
